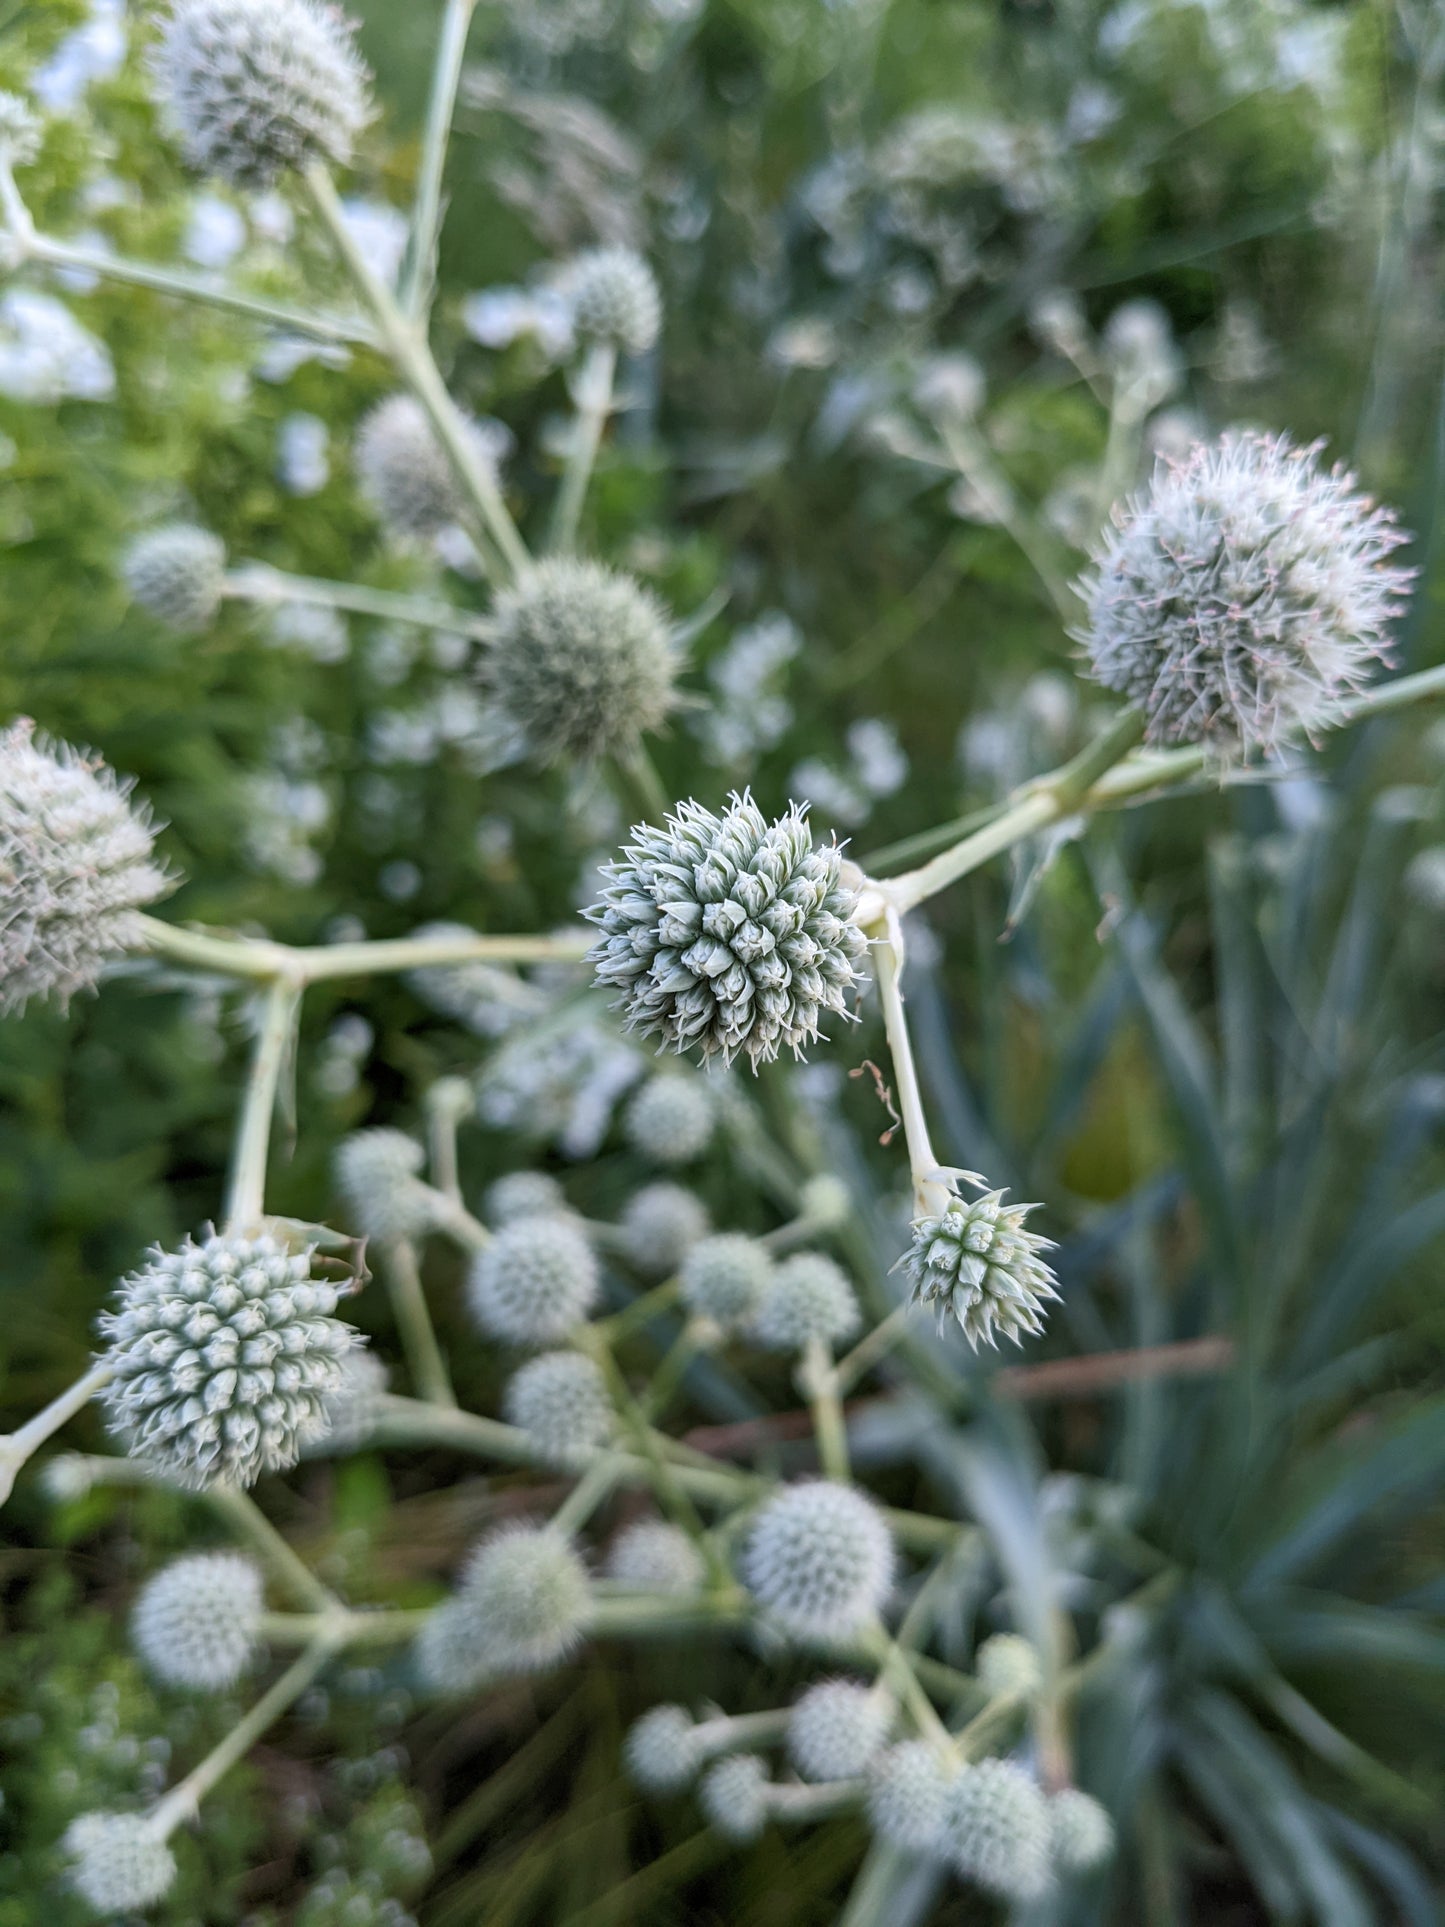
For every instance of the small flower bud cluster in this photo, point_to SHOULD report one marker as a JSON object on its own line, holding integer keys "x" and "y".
{"x": 725, "y": 1278}
{"x": 118, "y": 1862}
{"x": 560, "y": 1401}
{"x": 614, "y": 299}
{"x": 671, "y": 1119}
{"x": 662, "y": 1751}
{"x": 178, "y": 573}
{"x": 534, "y": 1282}
{"x": 195, "y": 1624}
{"x": 1009, "y": 1667}
{"x": 819, "y": 1559}
{"x": 377, "y": 1173}
{"x": 977, "y": 1263}
{"x": 521, "y": 1606}
{"x": 808, "y": 1297}
{"x": 406, "y": 474}
{"x": 660, "y": 1224}
{"x": 837, "y": 1730}
{"x": 652, "y": 1556}
{"x": 907, "y": 1796}
{"x": 522, "y": 1194}
{"x": 734, "y": 1796}
{"x": 996, "y": 1830}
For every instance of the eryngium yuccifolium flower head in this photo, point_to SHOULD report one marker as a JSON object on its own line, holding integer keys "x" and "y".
{"x": 652, "y": 1556}
{"x": 661, "y": 1751}
{"x": 353, "y": 1406}
{"x": 1008, "y": 1664}
{"x": 907, "y": 1792}
{"x": 522, "y": 1194}
{"x": 1243, "y": 595}
{"x": 819, "y": 1559}
{"x": 976, "y": 1262}
{"x": 178, "y": 573}
{"x": 725, "y": 1278}
{"x": 836, "y": 1730}
{"x": 450, "y": 1652}
{"x": 660, "y": 1225}
{"x": 671, "y": 1119}
{"x": 77, "y": 864}
{"x": 728, "y": 933}
{"x": 734, "y": 1796}
{"x": 404, "y": 471}
{"x": 560, "y": 1401}
{"x": 996, "y": 1829}
{"x": 255, "y": 88}
{"x": 377, "y": 1174}
{"x": 809, "y": 1297}
{"x": 224, "y": 1354}
{"x": 534, "y": 1281}
{"x": 1083, "y": 1833}
{"x": 530, "y": 1595}
{"x": 195, "y": 1623}
{"x": 581, "y": 660}
{"x": 614, "y": 298}
{"x": 118, "y": 1862}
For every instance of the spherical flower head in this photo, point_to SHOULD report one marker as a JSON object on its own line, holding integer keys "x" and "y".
{"x": 581, "y": 660}
{"x": 450, "y": 1654}
{"x": 614, "y": 299}
{"x": 824, "y": 1201}
{"x": 662, "y": 1751}
{"x": 77, "y": 865}
{"x": 1243, "y": 596}
{"x": 406, "y": 474}
{"x": 353, "y": 1407}
{"x": 258, "y": 88}
{"x": 1008, "y": 1667}
{"x": 224, "y": 1355}
{"x": 196, "y": 1623}
{"x": 977, "y": 1263}
{"x": 819, "y": 1559}
{"x": 118, "y": 1862}
{"x": 734, "y": 1796}
{"x": 178, "y": 573}
{"x": 996, "y": 1830}
{"x": 19, "y": 131}
{"x": 725, "y": 1278}
{"x": 560, "y": 1401}
{"x": 671, "y": 1119}
{"x": 728, "y": 934}
{"x": 907, "y": 1794}
{"x": 377, "y": 1174}
{"x": 836, "y": 1730}
{"x": 534, "y": 1282}
{"x": 522, "y": 1194}
{"x": 529, "y": 1593}
{"x": 660, "y": 1225}
{"x": 652, "y": 1556}
{"x": 1083, "y": 1833}
{"x": 808, "y": 1298}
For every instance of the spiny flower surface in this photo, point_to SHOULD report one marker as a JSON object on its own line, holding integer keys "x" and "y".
{"x": 725, "y": 1277}
{"x": 534, "y": 1281}
{"x": 580, "y": 659}
{"x": 1243, "y": 596}
{"x": 1082, "y": 1832}
{"x": 671, "y": 1119}
{"x": 256, "y": 88}
{"x": 614, "y": 298}
{"x": 560, "y": 1401}
{"x": 377, "y": 1173}
{"x": 653, "y": 1556}
{"x": 728, "y": 934}
{"x": 820, "y": 1559}
{"x": 996, "y": 1829}
{"x": 907, "y": 1795}
{"x": 1008, "y": 1664}
{"x": 522, "y": 1194}
{"x": 977, "y": 1263}
{"x": 118, "y": 1862}
{"x": 837, "y": 1729}
{"x": 404, "y": 471}
{"x": 528, "y": 1593}
{"x": 660, "y": 1224}
{"x": 195, "y": 1624}
{"x": 734, "y": 1796}
{"x": 77, "y": 864}
{"x": 662, "y": 1751}
{"x": 224, "y": 1354}
{"x": 808, "y": 1297}
{"x": 178, "y": 573}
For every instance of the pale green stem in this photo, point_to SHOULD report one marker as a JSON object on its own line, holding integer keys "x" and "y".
{"x": 692, "y": 1339}
{"x": 17, "y": 1447}
{"x": 642, "y": 1309}
{"x": 975, "y": 1739}
{"x": 240, "y": 1511}
{"x": 874, "y": 1893}
{"x": 896, "y": 1672}
{"x": 871, "y": 1349}
{"x": 922, "y": 1164}
{"x": 259, "y": 583}
{"x": 819, "y": 1381}
{"x": 734, "y": 1730}
{"x": 800, "y": 1804}
{"x": 443, "y": 1117}
{"x": 589, "y": 1492}
{"x": 348, "y": 1628}
{"x": 593, "y": 394}
{"x": 246, "y": 1192}
{"x": 797, "y": 1231}
{"x": 413, "y": 1321}
{"x": 309, "y": 964}
{"x": 642, "y": 785}
{"x": 418, "y": 272}
{"x": 612, "y": 1617}
{"x": 458, "y": 1224}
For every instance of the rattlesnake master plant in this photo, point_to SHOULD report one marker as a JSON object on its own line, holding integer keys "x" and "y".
{"x": 614, "y": 298}
{"x": 975, "y": 1261}
{"x": 837, "y": 1729}
{"x": 996, "y": 1829}
{"x": 819, "y": 1560}
{"x": 118, "y": 1862}
{"x": 196, "y": 1623}
{"x": 404, "y": 471}
{"x": 178, "y": 573}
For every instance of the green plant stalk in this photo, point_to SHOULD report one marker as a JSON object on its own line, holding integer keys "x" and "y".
{"x": 670, "y": 1373}
{"x": 896, "y": 1672}
{"x": 639, "y": 785}
{"x": 259, "y": 583}
{"x": 414, "y": 295}
{"x": 875, "y": 1891}
{"x": 259, "y": 958}
{"x": 728, "y": 1606}
{"x": 246, "y": 1191}
{"x": 593, "y": 394}
{"x": 423, "y": 1354}
{"x": 923, "y": 1165}
{"x": 819, "y": 1381}
{"x": 872, "y": 1348}
{"x": 590, "y": 1491}
{"x": 642, "y": 1309}
{"x": 348, "y": 1628}
{"x": 240, "y": 1511}
{"x": 17, "y": 1447}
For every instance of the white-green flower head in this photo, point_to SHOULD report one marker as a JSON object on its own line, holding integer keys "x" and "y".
{"x": 224, "y": 1354}
{"x": 824, "y": 1202}
{"x": 907, "y": 1793}
{"x": 1083, "y": 1833}
{"x": 660, "y": 1224}
{"x": 726, "y": 1277}
{"x": 819, "y": 1559}
{"x": 450, "y": 1654}
{"x": 614, "y": 299}
{"x": 837, "y": 1730}
{"x": 118, "y": 1862}
{"x": 977, "y": 1262}
{"x": 522, "y": 1194}
{"x": 19, "y": 131}
{"x": 996, "y": 1830}
{"x": 530, "y": 1594}
{"x": 653, "y": 1556}
{"x": 808, "y": 1297}
{"x": 378, "y": 1175}
{"x": 1243, "y": 596}
{"x": 77, "y": 865}
{"x": 734, "y": 1796}
{"x": 560, "y": 1401}
{"x": 581, "y": 660}
{"x": 406, "y": 474}
{"x": 728, "y": 934}
{"x": 1008, "y": 1667}
{"x": 671, "y": 1119}
{"x": 353, "y": 1407}
{"x": 196, "y": 1623}
{"x": 662, "y": 1751}
{"x": 534, "y": 1282}
{"x": 258, "y": 88}
{"x": 178, "y": 573}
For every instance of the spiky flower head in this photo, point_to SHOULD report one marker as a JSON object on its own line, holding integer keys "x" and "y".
{"x": 662, "y": 1751}
{"x": 378, "y": 1175}
{"x": 1243, "y": 595}
{"x": 529, "y": 1595}
{"x": 560, "y": 1401}
{"x": 1008, "y": 1667}
{"x": 907, "y": 1793}
{"x": 580, "y": 659}
{"x": 353, "y": 1407}
{"x": 671, "y": 1119}
{"x": 178, "y": 573}
{"x": 450, "y": 1653}
{"x": 224, "y": 1354}
{"x": 734, "y": 1796}
{"x": 77, "y": 864}
{"x": 614, "y": 299}
{"x": 809, "y": 1297}
{"x": 118, "y": 1862}
{"x": 1083, "y": 1833}
{"x": 819, "y": 1559}
{"x": 522, "y": 1194}
{"x": 257, "y": 88}
{"x": 837, "y": 1729}
{"x": 660, "y": 1225}
{"x": 534, "y": 1281}
{"x": 19, "y": 131}
{"x": 653, "y": 1556}
{"x": 976, "y": 1262}
{"x": 196, "y": 1622}
{"x": 405, "y": 473}
{"x": 725, "y": 1278}
{"x": 728, "y": 933}
{"x": 996, "y": 1829}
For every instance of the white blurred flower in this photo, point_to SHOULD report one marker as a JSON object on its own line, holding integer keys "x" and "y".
{"x": 303, "y": 463}
{"x": 317, "y": 632}
{"x": 46, "y": 355}
{"x": 380, "y": 230}
{"x": 496, "y": 317}
{"x": 93, "y": 52}
{"x": 878, "y": 758}
{"x": 215, "y": 231}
